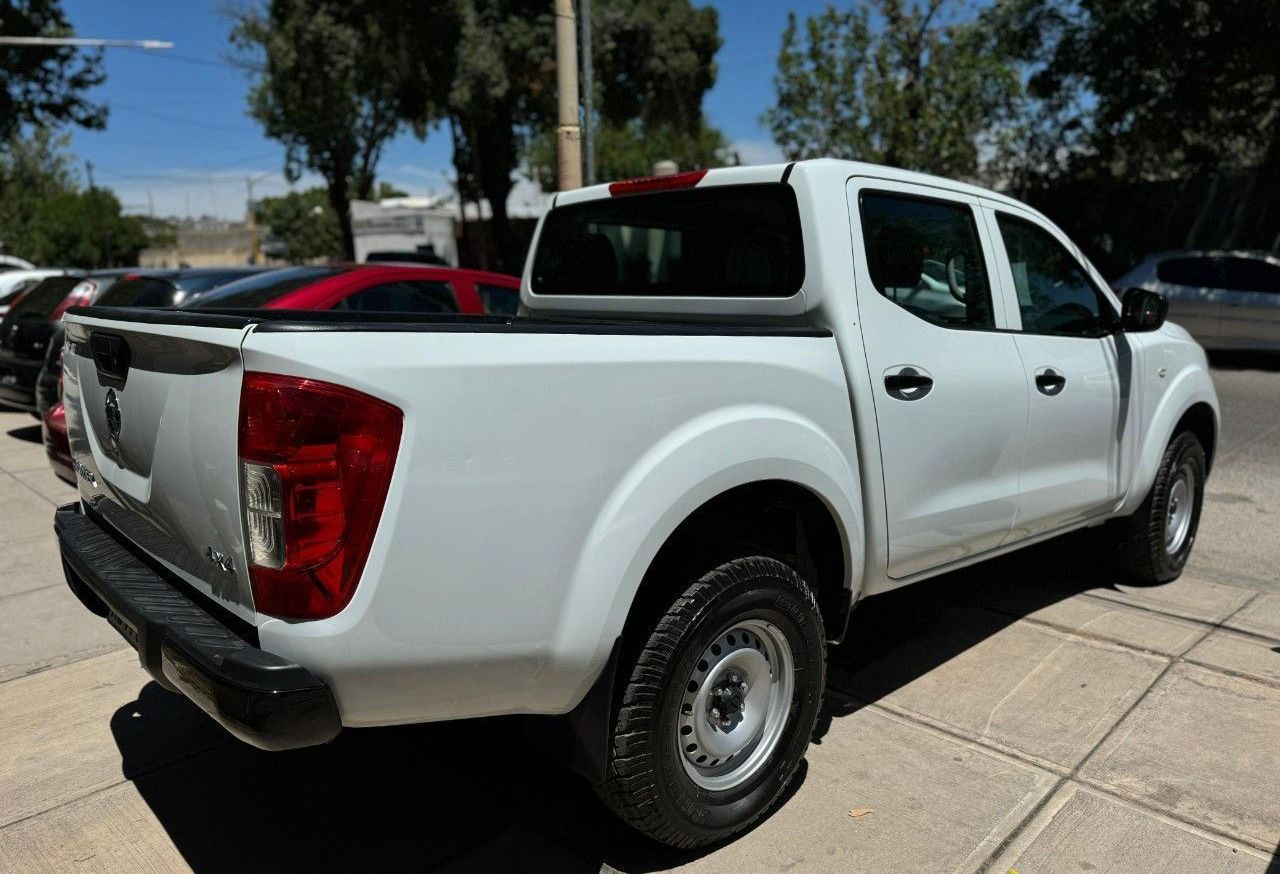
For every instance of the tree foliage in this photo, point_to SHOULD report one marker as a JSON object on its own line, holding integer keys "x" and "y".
{"x": 47, "y": 218}
{"x": 1175, "y": 89}
{"x": 44, "y": 86}
{"x": 304, "y": 223}
{"x": 327, "y": 85}
{"x": 918, "y": 91}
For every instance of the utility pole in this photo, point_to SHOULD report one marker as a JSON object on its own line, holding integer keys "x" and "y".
{"x": 568, "y": 130}
{"x": 588, "y": 95}
{"x": 251, "y": 218}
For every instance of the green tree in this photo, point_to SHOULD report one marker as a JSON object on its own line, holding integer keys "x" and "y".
{"x": 1175, "y": 89}
{"x": 918, "y": 91}
{"x": 304, "y": 222}
{"x": 327, "y": 85}
{"x": 44, "y": 86}
{"x": 491, "y": 75}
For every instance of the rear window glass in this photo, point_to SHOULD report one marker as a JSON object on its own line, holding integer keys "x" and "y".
{"x": 1250, "y": 274}
{"x": 45, "y": 297}
{"x": 139, "y": 291}
{"x": 205, "y": 281}
{"x": 726, "y": 241}
{"x": 261, "y": 289}
{"x": 498, "y": 300}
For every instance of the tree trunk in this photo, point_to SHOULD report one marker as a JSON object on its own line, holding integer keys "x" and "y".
{"x": 342, "y": 207}
{"x": 1259, "y": 226}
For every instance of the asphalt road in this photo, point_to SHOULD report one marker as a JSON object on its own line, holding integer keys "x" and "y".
{"x": 1034, "y": 713}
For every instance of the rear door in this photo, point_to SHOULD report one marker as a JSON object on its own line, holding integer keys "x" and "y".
{"x": 1250, "y": 305}
{"x": 948, "y": 386}
{"x": 152, "y": 417}
{"x": 1073, "y": 358}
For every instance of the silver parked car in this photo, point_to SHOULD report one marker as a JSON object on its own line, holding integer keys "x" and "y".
{"x": 1227, "y": 300}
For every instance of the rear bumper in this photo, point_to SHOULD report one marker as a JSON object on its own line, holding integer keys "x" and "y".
{"x": 260, "y": 698}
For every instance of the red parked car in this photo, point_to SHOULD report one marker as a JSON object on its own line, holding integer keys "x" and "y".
{"x": 385, "y": 288}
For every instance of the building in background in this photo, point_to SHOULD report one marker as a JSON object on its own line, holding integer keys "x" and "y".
{"x": 202, "y": 242}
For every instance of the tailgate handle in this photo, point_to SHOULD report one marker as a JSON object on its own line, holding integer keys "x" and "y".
{"x": 110, "y": 355}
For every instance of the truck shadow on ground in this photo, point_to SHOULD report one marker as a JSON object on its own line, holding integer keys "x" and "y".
{"x": 30, "y": 434}
{"x": 483, "y": 795}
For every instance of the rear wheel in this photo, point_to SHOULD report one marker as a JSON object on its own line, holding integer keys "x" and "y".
{"x": 1156, "y": 540}
{"x": 720, "y": 704}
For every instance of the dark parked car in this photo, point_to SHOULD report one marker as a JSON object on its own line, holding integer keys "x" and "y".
{"x": 170, "y": 288}
{"x": 25, "y": 333}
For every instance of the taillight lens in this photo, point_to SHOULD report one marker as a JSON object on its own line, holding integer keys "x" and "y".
{"x": 315, "y": 466}
{"x": 80, "y": 296}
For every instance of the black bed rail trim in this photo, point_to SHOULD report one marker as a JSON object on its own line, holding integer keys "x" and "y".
{"x": 294, "y": 321}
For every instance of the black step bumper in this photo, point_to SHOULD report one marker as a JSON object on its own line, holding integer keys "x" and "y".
{"x": 261, "y": 698}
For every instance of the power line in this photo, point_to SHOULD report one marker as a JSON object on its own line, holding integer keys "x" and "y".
{"x": 160, "y": 116}
{"x": 204, "y": 62}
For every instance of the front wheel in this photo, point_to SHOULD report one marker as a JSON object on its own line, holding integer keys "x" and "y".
{"x": 720, "y": 705}
{"x": 1157, "y": 539}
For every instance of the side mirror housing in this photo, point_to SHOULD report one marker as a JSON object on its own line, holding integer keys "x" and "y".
{"x": 1143, "y": 310}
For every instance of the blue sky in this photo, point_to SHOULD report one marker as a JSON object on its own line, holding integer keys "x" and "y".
{"x": 179, "y": 138}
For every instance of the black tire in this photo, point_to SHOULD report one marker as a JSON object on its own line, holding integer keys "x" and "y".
{"x": 1143, "y": 550}
{"x": 647, "y": 783}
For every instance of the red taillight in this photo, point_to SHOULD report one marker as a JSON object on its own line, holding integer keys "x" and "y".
{"x": 80, "y": 296}
{"x": 315, "y": 466}
{"x": 644, "y": 184}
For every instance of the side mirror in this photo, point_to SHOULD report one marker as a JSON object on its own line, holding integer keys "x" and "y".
{"x": 1143, "y": 310}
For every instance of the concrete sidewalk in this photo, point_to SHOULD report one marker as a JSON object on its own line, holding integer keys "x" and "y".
{"x": 1033, "y": 713}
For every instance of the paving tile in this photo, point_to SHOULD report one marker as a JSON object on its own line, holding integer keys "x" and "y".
{"x": 1202, "y": 746}
{"x": 1121, "y": 623}
{"x": 1189, "y": 596}
{"x": 112, "y": 831}
{"x": 44, "y": 627}
{"x": 19, "y": 455}
{"x": 30, "y": 562}
{"x": 1080, "y": 830}
{"x": 1240, "y": 653}
{"x": 1261, "y": 616}
{"x": 1023, "y": 687}
{"x": 70, "y": 731}
{"x": 25, "y": 514}
{"x": 45, "y": 484}
{"x": 939, "y": 804}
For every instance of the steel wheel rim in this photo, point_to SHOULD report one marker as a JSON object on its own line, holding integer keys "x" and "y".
{"x": 1177, "y": 520}
{"x": 726, "y": 733}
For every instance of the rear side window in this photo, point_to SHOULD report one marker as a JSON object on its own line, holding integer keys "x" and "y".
{"x": 262, "y": 288}
{"x": 416, "y": 296}
{"x": 140, "y": 291}
{"x": 498, "y": 300}
{"x": 1250, "y": 274}
{"x": 1055, "y": 295}
{"x": 724, "y": 241}
{"x": 1194, "y": 272}
{"x": 44, "y": 298}
{"x": 924, "y": 255}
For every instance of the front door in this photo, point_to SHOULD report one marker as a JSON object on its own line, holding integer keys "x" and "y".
{"x": 1074, "y": 360}
{"x": 948, "y": 386}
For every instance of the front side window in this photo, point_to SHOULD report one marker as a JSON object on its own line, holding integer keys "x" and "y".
{"x": 924, "y": 255}
{"x": 1055, "y": 294}
{"x": 413, "y": 296}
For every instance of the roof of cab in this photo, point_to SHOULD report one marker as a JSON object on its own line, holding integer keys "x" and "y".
{"x": 823, "y": 167}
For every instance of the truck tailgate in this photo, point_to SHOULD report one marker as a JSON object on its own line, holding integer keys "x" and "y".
{"x": 152, "y": 416}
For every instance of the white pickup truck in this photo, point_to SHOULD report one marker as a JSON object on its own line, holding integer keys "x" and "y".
{"x": 737, "y": 402}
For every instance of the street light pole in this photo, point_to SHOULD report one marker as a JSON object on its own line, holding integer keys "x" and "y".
{"x": 148, "y": 44}
{"x": 568, "y": 130}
